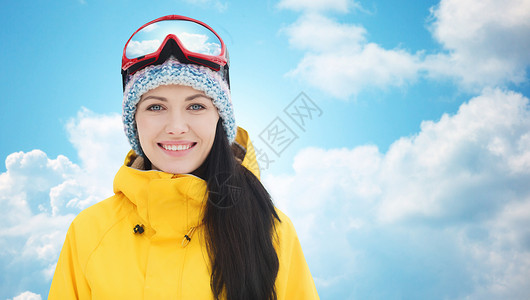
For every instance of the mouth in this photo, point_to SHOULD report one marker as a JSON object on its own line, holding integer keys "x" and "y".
{"x": 178, "y": 147}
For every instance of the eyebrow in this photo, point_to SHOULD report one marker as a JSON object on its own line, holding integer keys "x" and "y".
{"x": 189, "y": 98}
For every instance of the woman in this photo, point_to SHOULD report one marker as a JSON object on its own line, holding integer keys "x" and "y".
{"x": 189, "y": 218}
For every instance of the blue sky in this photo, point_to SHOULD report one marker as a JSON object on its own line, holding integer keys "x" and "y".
{"x": 406, "y": 174}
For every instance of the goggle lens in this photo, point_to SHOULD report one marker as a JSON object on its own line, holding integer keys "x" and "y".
{"x": 194, "y": 37}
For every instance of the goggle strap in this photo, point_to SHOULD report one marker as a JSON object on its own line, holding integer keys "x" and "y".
{"x": 224, "y": 71}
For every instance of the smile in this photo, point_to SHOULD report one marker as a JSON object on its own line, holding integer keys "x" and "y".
{"x": 180, "y": 147}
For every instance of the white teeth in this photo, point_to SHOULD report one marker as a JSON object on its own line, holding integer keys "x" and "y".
{"x": 176, "y": 147}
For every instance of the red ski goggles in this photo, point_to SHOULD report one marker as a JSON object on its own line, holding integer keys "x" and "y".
{"x": 188, "y": 40}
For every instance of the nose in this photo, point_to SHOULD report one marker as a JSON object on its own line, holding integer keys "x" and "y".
{"x": 176, "y": 123}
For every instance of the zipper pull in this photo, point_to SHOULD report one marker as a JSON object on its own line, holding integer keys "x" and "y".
{"x": 187, "y": 237}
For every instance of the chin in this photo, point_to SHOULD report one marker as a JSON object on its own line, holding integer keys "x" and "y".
{"x": 177, "y": 169}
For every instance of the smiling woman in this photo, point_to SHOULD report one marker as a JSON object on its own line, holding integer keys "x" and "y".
{"x": 176, "y": 127}
{"x": 190, "y": 218}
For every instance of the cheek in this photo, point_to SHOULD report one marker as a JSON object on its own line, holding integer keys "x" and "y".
{"x": 205, "y": 127}
{"x": 146, "y": 125}
{"x": 140, "y": 126}
{"x": 212, "y": 126}
{"x": 146, "y": 131}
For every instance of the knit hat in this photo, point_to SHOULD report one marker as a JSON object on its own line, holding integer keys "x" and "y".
{"x": 173, "y": 72}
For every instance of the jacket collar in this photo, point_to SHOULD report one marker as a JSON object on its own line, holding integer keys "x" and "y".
{"x": 166, "y": 203}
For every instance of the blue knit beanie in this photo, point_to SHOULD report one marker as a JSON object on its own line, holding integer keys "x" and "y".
{"x": 173, "y": 72}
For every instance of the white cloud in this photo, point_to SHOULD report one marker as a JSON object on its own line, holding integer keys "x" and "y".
{"x": 503, "y": 253}
{"x": 28, "y": 296}
{"x": 448, "y": 208}
{"x": 139, "y": 48}
{"x": 486, "y": 139}
{"x": 199, "y": 43}
{"x": 25, "y": 186}
{"x": 483, "y": 44}
{"x": 40, "y": 196}
{"x": 93, "y": 135}
{"x": 320, "y": 34}
{"x": 150, "y": 27}
{"x": 339, "y": 60}
{"x": 488, "y": 41}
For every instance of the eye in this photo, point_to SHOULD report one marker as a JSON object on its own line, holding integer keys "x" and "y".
{"x": 196, "y": 106}
{"x": 154, "y": 107}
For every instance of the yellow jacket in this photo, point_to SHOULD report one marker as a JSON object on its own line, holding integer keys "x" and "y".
{"x": 102, "y": 257}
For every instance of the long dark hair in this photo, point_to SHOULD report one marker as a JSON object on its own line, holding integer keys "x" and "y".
{"x": 239, "y": 223}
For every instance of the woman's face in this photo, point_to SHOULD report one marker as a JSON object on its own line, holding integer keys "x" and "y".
{"x": 176, "y": 127}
